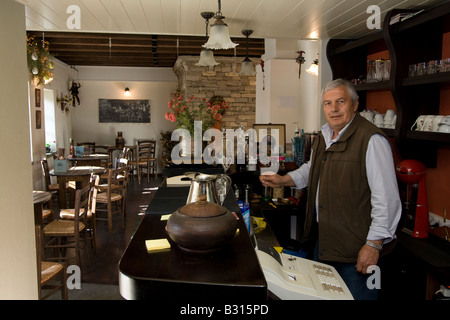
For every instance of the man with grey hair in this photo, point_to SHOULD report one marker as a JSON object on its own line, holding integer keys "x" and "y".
{"x": 353, "y": 203}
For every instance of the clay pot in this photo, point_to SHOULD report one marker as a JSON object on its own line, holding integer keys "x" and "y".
{"x": 201, "y": 226}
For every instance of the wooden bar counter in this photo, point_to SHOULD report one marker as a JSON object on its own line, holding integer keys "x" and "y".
{"x": 231, "y": 273}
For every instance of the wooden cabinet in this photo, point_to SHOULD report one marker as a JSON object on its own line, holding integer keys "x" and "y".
{"x": 420, "y": 38}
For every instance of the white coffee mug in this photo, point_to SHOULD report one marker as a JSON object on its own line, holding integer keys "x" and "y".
{"x": 444, "y": 128}
{"x": 389, "y": 115}
{"x": 378, "y": 120}
{"x": 428, "y": 123}
{"x": 419, "y": 123}
{"x": 436, "y": 121}
{"x": 446, "y": 120}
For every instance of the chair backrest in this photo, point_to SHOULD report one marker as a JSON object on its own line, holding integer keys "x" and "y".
{"x": 93, "y": 194}
{"x": 82, "y": 202}
{"x": 145, "y": 149}
{"x": 117, "y": 181}
{"x": 88, "y": 146}
{"x": 100, "y": 149}
{"x": 45, "y": 172}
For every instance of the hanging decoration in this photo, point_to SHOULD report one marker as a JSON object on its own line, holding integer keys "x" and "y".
{"x": 262, "y": 69}
{"x": 39, "y": 61}
{"x": 64, "y": 102}
{"x": 300, "y": 60}
{"x": 74, "y": 92}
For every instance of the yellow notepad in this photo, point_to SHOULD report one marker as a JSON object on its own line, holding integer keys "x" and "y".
{"x": 157, "y": 245}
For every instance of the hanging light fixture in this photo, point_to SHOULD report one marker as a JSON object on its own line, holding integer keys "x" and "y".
{"x": 219, "y": 37}
{"x": 314, "y": 68}
{"x": 247, "y": 68}
{"x": 127, "y": 92}
{"x": 207, "y": 55}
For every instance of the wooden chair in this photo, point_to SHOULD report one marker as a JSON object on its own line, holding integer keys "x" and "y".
{"x": 112, "y": 195}
{"x": 88, "y": 146}
{"x": 51, "y": 187}
{"x": 70, "y": 234}
{"x": 68, "y": 214}
{"x": 48, "y": 272}
{"x": 145, "y": 158}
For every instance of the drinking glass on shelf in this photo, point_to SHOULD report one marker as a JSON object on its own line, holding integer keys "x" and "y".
{"x": 371, "y": 71}
{"x": 447, "y": 64}
{"x": 412, "y": 71}
{"x": 379, "y": 67}
{"x": 422, "y": 68}
{"x": 432, "y": 65}
{"x": 386, "y": 69}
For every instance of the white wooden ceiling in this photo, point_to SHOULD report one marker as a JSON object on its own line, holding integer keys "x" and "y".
{"x": 294, "y": 19}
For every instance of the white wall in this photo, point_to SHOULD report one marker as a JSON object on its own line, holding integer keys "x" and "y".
{"x": 85, "y": 123}
{"x": 282, "y": 85}
{"x": 18, "y": 271}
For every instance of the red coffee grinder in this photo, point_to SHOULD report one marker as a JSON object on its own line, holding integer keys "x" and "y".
{"x": 413, "y": 173}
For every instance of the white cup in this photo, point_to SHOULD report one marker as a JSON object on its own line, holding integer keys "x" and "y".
{"x": 428, "y": 123}
{"x": 436, "y": 121}
{"x": 389, "y": 115}
{"x": 446, "y": 120}
{"x": 444, "y": 128}
{"x": 419, "y": 123}
{"x": 379, "y": 120}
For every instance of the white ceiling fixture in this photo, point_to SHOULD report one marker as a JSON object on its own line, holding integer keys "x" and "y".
{"x": 207, "y": 55}
{"x": 247, "y": 68}
{"x": 219, "y": 37}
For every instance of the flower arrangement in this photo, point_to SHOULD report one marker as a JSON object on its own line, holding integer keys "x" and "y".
{"x": 184, "y": 112}
{"x": 39, "y": 61}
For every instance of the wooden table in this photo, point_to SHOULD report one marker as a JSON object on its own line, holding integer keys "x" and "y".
{"x": 80, "y": 174}
{"x": 39, "y": 198}
{"x": 90, "y": 160}
{"x": 231, "y": 273}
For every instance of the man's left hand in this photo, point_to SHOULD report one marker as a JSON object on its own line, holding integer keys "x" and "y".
{"x": 367, "y": 256}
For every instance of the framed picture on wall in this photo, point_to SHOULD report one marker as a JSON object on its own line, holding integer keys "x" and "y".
{"x": 281, "y": 128}
{"x": 38, "y": 119}
{"x": 123, "y": 111}
{"x": 37, "y": 98}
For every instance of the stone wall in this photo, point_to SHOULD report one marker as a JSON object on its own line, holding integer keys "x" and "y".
{"x": 221, "y": 80}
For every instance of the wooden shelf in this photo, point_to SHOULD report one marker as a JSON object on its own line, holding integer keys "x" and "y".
{"x": 439, "y": 137}
{"x": 419, "y": 38}
{"x": 443, "y": 78}
{"x": 380, "y": 85}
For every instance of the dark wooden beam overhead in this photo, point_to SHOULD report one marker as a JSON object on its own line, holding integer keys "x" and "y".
{"x": 134, "y": 50}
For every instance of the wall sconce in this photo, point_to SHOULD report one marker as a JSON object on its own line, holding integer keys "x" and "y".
{"x": 127, "y": 92}
{"x": 314, "y": 68}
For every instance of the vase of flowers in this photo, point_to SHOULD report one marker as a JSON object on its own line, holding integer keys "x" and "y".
{"x": 184, "y": 112}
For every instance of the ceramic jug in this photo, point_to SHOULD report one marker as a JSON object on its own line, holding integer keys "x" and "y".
{"x": 211, "y": 185}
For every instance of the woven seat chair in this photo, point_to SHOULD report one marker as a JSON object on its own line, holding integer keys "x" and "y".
{"x": 62, "y": 234}
{"x": 68, "y": 214}
{"x": 145, "y": 158}
{"x": 111, "y": 196}
{"x": 48, "y": 272}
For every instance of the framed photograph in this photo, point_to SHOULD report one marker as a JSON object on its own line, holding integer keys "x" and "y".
{"x": 281, "y": 128}
{"x": 38, "y": 119}
{"x": 123, "y": 111}
{"x": 37, "y": 98}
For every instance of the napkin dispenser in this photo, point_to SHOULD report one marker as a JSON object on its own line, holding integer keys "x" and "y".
{"x": 60, "y": 166}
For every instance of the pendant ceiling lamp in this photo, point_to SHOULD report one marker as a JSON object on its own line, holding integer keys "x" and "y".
{"x": 207, "y": 55}
{"x": 247, "y": 68}
{"x": 219, "y": 37}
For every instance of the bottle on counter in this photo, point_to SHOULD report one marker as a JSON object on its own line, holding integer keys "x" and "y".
{"x": 245, "y": 210}
{"x": 71, "y": 149}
